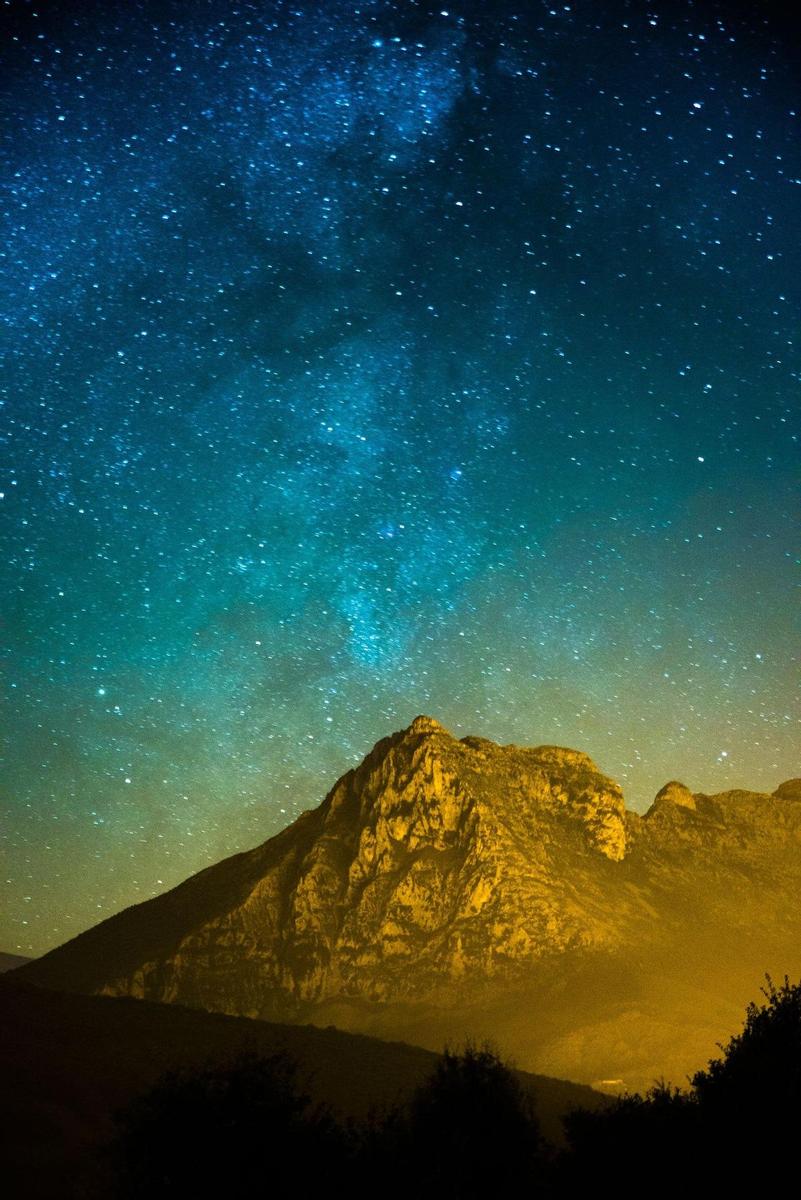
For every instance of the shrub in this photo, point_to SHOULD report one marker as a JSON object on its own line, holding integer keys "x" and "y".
{"x": 238, "y": 1129}
{"x": 471, "y": 1128}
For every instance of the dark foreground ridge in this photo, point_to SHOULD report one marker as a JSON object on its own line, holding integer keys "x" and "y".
{"x": 69, "y": 1063}
{"x": 10, "y": 962}
{"x": 252, "y": 1122}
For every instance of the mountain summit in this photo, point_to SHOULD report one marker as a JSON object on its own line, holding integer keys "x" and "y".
{"x": 450, "y": 886}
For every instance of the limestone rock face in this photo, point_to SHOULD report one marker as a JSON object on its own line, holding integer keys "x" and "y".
{"x": 448, "y": 886}
{"x": 791, "y": 790}
{"x": 674, "y": 793}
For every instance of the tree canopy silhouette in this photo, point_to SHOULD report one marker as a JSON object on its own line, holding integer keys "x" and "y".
{"x": 740, "y": 1119}
{"x": 244, "y": 1129}
{"x": 237, "y": 1129}
{"x": 472, "y": 1130}
{"x": 750, "y": 1097}
{"x": 469, "y": 1130}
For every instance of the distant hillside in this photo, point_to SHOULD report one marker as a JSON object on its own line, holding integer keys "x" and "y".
{"x": 68, "y": 1062}
{"x": 10, "y": 962}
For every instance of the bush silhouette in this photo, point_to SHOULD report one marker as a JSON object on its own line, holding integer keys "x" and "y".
{"x": 761, "y": 1066}
{"x": 238, "y": 1129}
{"x": 471, "y": 1129}
{"x": 644, "y": 1143}
{"x": 750, "y": 1098}
{"x": 244, "y": 1130}
{"x": 740, "y": 1120}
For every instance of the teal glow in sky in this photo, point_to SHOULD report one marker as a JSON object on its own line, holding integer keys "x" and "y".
{"x": 361, "y": 364}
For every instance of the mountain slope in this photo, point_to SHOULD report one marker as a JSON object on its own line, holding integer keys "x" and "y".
{"x": 10, "y": 962}
{"x": 447, "y": 886}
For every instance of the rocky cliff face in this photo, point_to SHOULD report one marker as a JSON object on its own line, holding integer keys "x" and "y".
{"x": 447, "y": 886}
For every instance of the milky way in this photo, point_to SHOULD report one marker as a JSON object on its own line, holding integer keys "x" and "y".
{"x": 363, "y": 361}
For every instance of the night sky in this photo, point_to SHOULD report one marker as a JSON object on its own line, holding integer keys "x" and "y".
{"x": 368, "y": 360}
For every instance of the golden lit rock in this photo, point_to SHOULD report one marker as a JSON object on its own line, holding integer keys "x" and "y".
{"x": 446, "y": 886}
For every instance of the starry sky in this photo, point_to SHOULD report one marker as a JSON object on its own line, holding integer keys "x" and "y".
{"x": 362, "y": 360}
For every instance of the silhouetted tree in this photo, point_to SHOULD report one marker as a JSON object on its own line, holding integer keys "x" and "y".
{"x": 471, "y": 1130}
{"x": 740, "y": 1121}
{"x": 640, "y": 1144}
{"x": 761, "y": 1066}
{"x": 750, "y": 1098}
{"x": 240, "y": 1129}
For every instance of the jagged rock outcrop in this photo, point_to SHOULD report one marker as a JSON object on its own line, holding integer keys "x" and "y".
{"x": 435, "y": 854}
{"x": 673, "y": 793}
{"x": 447, "y": 886}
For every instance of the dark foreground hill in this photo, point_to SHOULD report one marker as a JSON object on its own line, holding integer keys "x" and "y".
{"x": 10, "y": 962}
{"x": 69, "y": 1062}
{"x": 450, "y": 886}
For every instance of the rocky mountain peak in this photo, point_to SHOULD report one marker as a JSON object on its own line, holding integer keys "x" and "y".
{"x": 674, "y": 793}
{"x": 441, "y": 874}
{"x": 427, "y": 784}
{"x": 789, "y": 790}
{"x": 423, "y": 725}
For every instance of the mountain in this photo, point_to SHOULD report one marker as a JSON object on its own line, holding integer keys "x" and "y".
{"x": 10, "y": 962}
{"x": 446, "y": 887}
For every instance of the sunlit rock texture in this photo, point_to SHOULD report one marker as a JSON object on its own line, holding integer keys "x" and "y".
{"x": 449, "y": 887}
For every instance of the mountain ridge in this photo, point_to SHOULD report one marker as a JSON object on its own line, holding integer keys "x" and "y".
{"x": 440, "y": 878}
{"x": 12, "y": 962}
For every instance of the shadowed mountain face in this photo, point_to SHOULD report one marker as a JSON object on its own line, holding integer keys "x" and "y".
{"x": 447, "y": 887}
{"x": 10, "y": 962}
